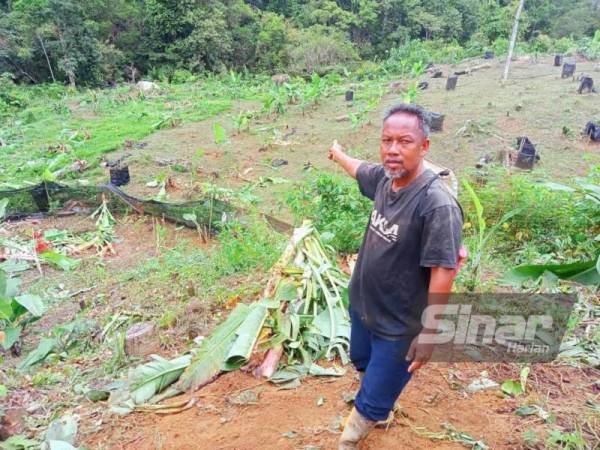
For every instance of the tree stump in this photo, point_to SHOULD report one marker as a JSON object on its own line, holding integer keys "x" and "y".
{"x": 119, "y": 176}
{"x": 141, "y": 339}
{"x": 451, "y": 83}
{"x": 196, "y": 318}
{"x": 592, "y": 131}
{"x": 568, "y": 70}
{"x": 527, "y": 154}
{"x": 436, "y": 121}
{"x": 586, "y": 85}
{"x": 558, "y": 60}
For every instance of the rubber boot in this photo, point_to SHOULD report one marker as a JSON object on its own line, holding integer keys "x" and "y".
{"x": 357, "y": 428}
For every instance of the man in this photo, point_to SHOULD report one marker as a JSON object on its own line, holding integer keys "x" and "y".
{"x": 407, "y": 261}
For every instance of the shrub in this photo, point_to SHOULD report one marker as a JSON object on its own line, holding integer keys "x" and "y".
{"x": 429, "y": 51}
{"x": 564, "y": 228}
{"x": 246, "y": 247}
{"x": 541, "y": 44}
{"x": 564, "y": 45}
{"x": 500, "y": 46}
{"x": 181, "y": 76}
{"x": 272, "y": 42}
{"x": 319, "y": 50}
{"x": 590, "y": 47}
{"x": 336, "y": 206}
{"x": 11, "y": 97}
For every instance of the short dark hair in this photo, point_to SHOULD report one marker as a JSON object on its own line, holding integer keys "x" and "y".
{"x": 415, "y": 110}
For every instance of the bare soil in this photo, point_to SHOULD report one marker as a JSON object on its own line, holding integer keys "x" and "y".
{"x": 293, "y": 419}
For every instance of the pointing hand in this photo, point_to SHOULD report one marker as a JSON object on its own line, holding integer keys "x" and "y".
{"x": 335, "y": 150}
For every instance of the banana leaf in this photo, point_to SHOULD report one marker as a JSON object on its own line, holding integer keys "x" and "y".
{"x": 150, "y": 379}
{"x": 147, "y": 381}
{"x": 44, "y": 348}
{"x": 31, "y": 303}
{"x": 247, "y": 335}
{"x": 59, "y": 260}
{"x": 11, "y": 335}
{"x": 584, "y": 272}
{"x": 213, "y": 352}
{"x": 289, "y": 377}
{"x": 590, "y": 191}
{"x": 341, "y": 328}
{"x": 319, "y": 371}
{"x": 3, "y": 205}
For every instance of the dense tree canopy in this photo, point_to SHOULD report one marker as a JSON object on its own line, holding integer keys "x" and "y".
{"x": 101, "y": 41}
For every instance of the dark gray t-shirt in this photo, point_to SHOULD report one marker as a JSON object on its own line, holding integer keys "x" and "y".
{"x": 409, "y": 232}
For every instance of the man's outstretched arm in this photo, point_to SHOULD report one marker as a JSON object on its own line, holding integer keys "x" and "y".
{"x": 348, "y": 163}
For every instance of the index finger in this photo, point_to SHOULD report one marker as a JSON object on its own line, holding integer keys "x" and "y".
{"x": 415, "y": 365}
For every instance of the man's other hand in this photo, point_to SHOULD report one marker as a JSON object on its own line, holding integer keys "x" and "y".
{"x": 419, "y": 353}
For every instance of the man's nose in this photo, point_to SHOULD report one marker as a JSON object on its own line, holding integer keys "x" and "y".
{"x": 394, "y": 148}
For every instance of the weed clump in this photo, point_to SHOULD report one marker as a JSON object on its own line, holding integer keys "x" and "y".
{"x": 336, "y": 206}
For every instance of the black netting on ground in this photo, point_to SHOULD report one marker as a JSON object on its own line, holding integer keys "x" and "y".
{"x": 49, "y": 198}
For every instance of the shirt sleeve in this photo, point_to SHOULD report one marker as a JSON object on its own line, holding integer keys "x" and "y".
{"x": 368, "y": 177}
{"x": 441, "y": 238}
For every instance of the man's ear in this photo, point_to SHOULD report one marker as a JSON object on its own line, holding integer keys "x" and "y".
{"x": 425, "y": 147}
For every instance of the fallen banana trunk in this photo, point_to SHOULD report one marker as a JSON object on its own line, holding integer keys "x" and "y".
{"x": 302, "y": 318}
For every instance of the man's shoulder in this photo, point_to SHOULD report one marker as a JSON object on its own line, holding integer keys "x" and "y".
{"x": 437, "y": 195}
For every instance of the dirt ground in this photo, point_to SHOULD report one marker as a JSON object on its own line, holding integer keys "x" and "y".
{"x": 535, "y": 102}
{"x": 308, "y": 417}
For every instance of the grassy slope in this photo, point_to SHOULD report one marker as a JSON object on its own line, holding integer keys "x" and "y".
{"x": 89, "y": 124}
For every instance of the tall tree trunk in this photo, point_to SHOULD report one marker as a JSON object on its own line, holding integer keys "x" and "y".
{"x": 513, "y": 39}
{"x": 46, "y": 55}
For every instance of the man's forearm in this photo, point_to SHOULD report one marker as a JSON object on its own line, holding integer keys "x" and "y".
{"x": 421, "y": 348}
{"x": 440, "y": 287}
{"x": 348, "y": 163}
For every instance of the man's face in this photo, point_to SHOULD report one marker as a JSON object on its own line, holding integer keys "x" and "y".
{"x": 403, "y": 145}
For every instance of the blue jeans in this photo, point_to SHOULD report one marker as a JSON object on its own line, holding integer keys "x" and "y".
{"x": 384, "y": 365}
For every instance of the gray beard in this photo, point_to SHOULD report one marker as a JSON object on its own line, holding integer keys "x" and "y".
{"x": 396, "y": 175}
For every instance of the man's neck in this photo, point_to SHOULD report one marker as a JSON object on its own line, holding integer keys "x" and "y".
{"x": 400, "y": 183}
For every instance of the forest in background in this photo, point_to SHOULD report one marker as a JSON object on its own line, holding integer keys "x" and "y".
{"x": 101, "y": 42}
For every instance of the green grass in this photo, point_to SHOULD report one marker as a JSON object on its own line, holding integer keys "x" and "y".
{"x": 242, "y": 251}
{"x": 92, "y": 123}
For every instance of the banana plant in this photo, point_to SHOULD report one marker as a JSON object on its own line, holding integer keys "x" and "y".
{"x": 483, "y": 233}
{"x": 16, "y": 311}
